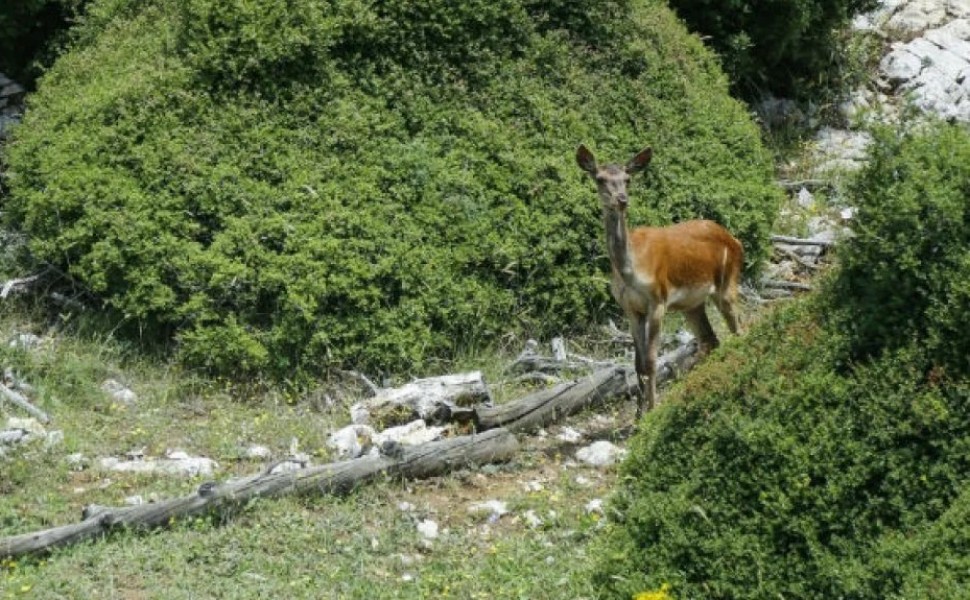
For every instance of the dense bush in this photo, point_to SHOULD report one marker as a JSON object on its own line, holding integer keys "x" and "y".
{"x": 792, "y": 465}
{"x": 284, "y": 185}
{"x": 906, "y": 276}
{"x": 787, "y": 47}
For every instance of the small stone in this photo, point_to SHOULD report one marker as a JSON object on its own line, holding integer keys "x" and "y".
{"x": 288, "y": 466}
{"x": 24, "y": 341}
{"x": 412, "y": 434}
{"x": 600, "y": 454}
{"x": 495, "y": 508}
{"x": 351, "y": 441}
{"x": 76, "y": 461}
{"x": 594, "y": 506}
{"x": 428, "y": 529}
{"x": 531, "y": 518}
{"x": 257, "y": 452}
{"x": 53, "y": 439}
{"x": 10, "y": 437}
{"x": 28, "y": 425}
{"x": 134, "y": 500}
{"x": 569, "y": 435}
{"x": 805, "y": 199}
{"x": 533, "y": 486}
{"x": 405, "y": 507}
{"x": 118, "y": 391}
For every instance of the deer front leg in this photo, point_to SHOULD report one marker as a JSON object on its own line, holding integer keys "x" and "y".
{"x": 646, "y": 340}
{"x": 638, "y": 327}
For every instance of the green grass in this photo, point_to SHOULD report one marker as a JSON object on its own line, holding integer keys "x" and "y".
{"x": 359, "y": 546}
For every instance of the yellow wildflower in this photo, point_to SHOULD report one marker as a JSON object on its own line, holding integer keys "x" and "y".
{"x": 661, "y": 594}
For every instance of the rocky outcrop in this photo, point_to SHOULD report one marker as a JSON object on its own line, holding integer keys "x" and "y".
{"x": 11, "y": 104}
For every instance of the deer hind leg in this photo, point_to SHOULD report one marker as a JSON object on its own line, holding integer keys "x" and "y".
{"x": 700, "y": 325}
{"x": 727, "y": 304}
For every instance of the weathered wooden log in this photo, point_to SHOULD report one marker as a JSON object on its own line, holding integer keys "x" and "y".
{"x": 550, "y": 405}
{"x": 15, "y": 285}
{"x": 23, "y": 403}
{"x": 795, "y": 241}
{"x": 786, "y": 285}
{"x": 530, "y": 361}
{"x": 426, "y": 460}
{"x": 808, "y": 184}
{"x": 435, "y": 399}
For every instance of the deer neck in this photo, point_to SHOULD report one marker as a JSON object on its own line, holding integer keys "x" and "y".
{"x": 618, "y": 244}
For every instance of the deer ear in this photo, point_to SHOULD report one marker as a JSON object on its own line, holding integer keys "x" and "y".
{"x": 640, "y": 161}
{"x": 586, "y": 160}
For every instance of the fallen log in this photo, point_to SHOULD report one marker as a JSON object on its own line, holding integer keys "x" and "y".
{"x": 786, "y": 285}
{"x": 795, "y": 241}
{"x": 15, "y": 285}
{"x": 434, "y": 399}
{"x": 550, "y": 405}
{"x": 426, "y": 460}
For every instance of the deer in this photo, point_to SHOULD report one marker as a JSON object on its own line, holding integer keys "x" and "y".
{"x": 658, "y": 269}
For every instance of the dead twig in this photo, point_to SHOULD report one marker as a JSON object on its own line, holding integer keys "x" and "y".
{"x": 23, "y": 403}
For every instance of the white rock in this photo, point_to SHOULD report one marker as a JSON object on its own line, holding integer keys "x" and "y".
{"x": 533, "y": 486}
{"x": 118, "y": 391}
{"x": 804, "y": 198}
{"x": 53, "y": 439}
{"x": 9, "y": 437}
{"x": 188, "y": 467}
{"x": 411, "y": 434}
{"x": 495, "y": 508}
{"x": 594, "y": 506}
{"x": 288, "y": 466}
{"x": 134, "y": 500}
{"x": 24, "y": 341}
{"x": 600, "y": 454}
{"x": 257, "y": 452}
{"x": 428, "y": 529}
{"x": 531, "y": 518}
{"x": 405, "y": 507}
{"x": 29, "y": 425}
{"x": 351, "y": 441}
{"x": 916, "y": 16}
{"x": 583, "y": 481}
{"x": 569, "y": 435}
{"x": 76, "y": 461}
{"x": 177, "y": 454}
{"x": 359, "y": 414}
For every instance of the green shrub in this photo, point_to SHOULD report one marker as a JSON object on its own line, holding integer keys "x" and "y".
{"x": 826, "y": 454}
{"x": 290, "y": 186}
{"x": 786, "y": 47}
{"x": 906, "y": 275}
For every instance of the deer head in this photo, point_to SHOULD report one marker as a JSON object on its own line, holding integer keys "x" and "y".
{"x": 611, "y": 179}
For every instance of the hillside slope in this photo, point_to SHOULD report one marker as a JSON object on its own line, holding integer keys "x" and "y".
{"x": 824, "y": 454}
